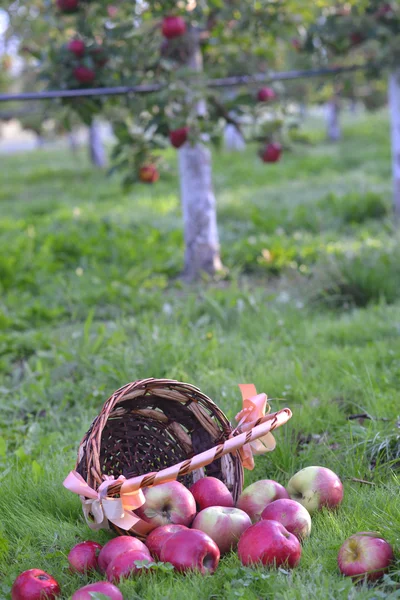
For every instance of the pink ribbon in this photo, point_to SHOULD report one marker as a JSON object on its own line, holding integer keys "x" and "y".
{"x": 255, "y": 406}
{"x": 99, "y": 509}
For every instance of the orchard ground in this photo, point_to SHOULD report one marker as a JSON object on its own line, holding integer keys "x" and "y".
{"x": 309, "y": 312}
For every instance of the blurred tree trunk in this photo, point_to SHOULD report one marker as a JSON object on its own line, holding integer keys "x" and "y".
{"x": 394, "y": 107}
{"x": 96, "y": 146}
{"x": 234, "y": 141}
{"x": 333, "y": 130}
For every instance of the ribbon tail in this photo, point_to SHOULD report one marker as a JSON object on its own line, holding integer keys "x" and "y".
{"x": 75, "y": 483}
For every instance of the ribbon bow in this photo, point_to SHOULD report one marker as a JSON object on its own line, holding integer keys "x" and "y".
{"x": 99, "y": 509}
{"x": 255, "y": 406}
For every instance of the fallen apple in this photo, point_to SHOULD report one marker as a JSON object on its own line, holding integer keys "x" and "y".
{"x": 315, "y": 487}
{"x": 84, "y": 556}
{"x": 106, "y": 589}
{"x": 223, "y": 524}
{"x": 191, "y": 550}
{"x": 173, "y": 27}
{"x": 269, "y": 543}
{"x": 169, "y": 502}
{"x": 124, "y": 565}
{"x": 35, "y": 585}
{"x": 117, "y": 546}
{"x": 256, "y": 496}
{"x": 365, "y": 555}
{"x": 293, "y": 516}
{"x": 159, "y": 535}
{"x": 210, "y": 491}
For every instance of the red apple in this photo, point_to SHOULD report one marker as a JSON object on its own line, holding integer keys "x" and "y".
{"x": 365, "y": 555}
{"x": 315, "y": 487}
{"x": 173, "y": 27}
{"x": 112, "y": 11}
{"x": 210, "y": 491}
{"x": 271, "y": 153}
{"x": 293, "y": 516}
{"x": 224, "y": 525}
{"x": 256, "y": 496}
{"x": 356, "y": 38}
{"x": 191, "y": 550}
{"x": 77, "y": 47}
{"x": 159, "y": 536}
{"x": 124, "y": 565}
{"x": 265, "y": 94}
{"x": 83, "y": 557}
{"x": 117, "y": 546}
{"x": 35, "y": 585}
{"x": 178, "y": 136}
{"x": 270, "y": 543}
{"x": 148, "y": 174}
{"x": 99, "y": 56}
{"x": 169, "y": 502}
{"x": 101, "y": 587}
{"x": 296, "y": 44}
{"x": 84, "y": 74}
{"x": 68, "y": 6}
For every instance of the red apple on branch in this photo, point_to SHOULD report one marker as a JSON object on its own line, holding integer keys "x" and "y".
{"x": 269, "y": 543}
{"x": 159, "y": 536}
{"x": 178, "y": 136}
{"x": 148, "y": 174}
{"x": 117, "y": 546}
{"x": 169, "y": 502}
{"x": 365, "y": 555}
{"x": 68, "y": 6}
{"x": 124, "y": 565}
{"x": 293, "y": 516}
{"x": 224, "y": 525}
{"x": 191, "y": 550}
{"x": 77, "y": 47}
{"x": 271, "y": 153}
{"x": 210, "y": 491}
{"x": 256, "y": 496}
{"x": 315, "y": 487}
{"x": 35, "y": 585}
{"x": 173, "y": 27}
{"x": 84, "y": 75}
{"x": 108, "y": 590}
{"x": 84, "y": 556}
{"x": 265, "y": 94}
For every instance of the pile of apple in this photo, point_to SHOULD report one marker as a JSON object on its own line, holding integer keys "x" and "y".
{"x": 194, "y": 527}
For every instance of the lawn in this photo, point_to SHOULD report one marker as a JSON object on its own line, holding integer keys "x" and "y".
{"x": 309, "y": 311}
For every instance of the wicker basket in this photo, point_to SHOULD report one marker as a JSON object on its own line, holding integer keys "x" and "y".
{"x": 151, "y": 424}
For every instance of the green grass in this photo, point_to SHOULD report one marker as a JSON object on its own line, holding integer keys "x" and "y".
{"x": 310, "y": 312}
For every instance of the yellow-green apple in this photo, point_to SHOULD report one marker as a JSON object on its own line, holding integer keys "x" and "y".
{"x": 210, "y": 491}
{"x": 365, "y": 555}
{"x": 83, "y": 557}
{"x": 35, "y": 585}
{"x": 159, "y": 535}
{"x": 256, "y": 496}
{"x": 148, "y": 174}
{"x": 191, "y": 550}
{"x": 315, "y": 487}
{"x": 102, "y": 588}
{"x": 117, "y": 546}
{"x": 293, "y": 516}
{"x": 269, "y": 543}
{"x": 124, "y": 565}
{"x": 169, "y": 502}
{"x": 223, "y": 524}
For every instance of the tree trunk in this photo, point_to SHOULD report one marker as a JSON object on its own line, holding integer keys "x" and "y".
{"x": 332, "y": 120}
{"x": 197, "y": 195}
{"x": 394, "y": 107}
{"x": 72, "y": 141}
{"x": 234, "y": 140}
{"x": 96, "y": 146}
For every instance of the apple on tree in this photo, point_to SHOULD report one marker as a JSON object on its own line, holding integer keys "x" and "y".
{"x": 365, "y": 555}
{"x": 159, "y": 536}
{"x": 271, "y": 153}
{"x": 84, "y": 75}
{"x": 293, "y": 516}
{"x": 117, "y": 546}
{"x": 148, "y": 174}
{"x": 269, "y": 543}
{"x": 224, "y": 525}
{"x": 191, "y": 550}
{"x": 84, "y": 556}
{"x": 173, "y": 27}
{"x": 315, "y": 487}
{"x": 68, "y": 6}
{"x": 35, "y": 584}
{"x": 108, "y": 590}
{"x": 210, "y": 491}
{"x": 265, "y": 94}
{"x": 179, "y": 136}
{"x": 77, "y": 47}
{"x": 256, "y": 496}
{"x": 169, "y": 502}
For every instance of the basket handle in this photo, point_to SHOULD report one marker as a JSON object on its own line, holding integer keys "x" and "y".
{"x": 258, "y": 429}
